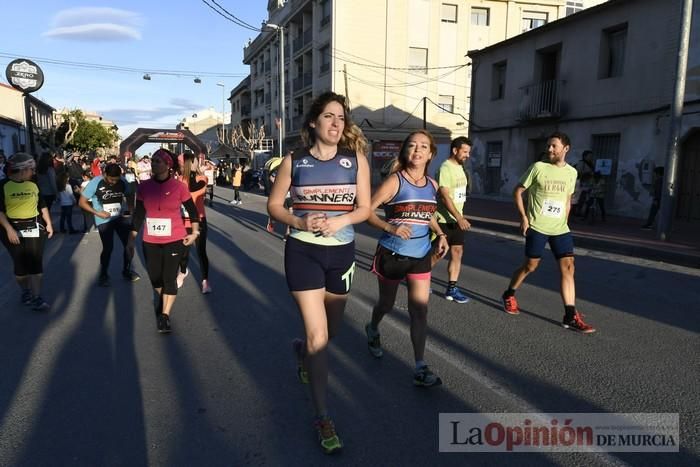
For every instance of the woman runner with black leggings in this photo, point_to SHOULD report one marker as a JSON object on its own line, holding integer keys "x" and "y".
{"x": 158, "y": 203}
{"x": 26, "y": 224}
{"x": 197, "y": 185}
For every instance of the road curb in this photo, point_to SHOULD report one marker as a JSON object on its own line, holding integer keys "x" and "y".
{"x": 609, "y": 246}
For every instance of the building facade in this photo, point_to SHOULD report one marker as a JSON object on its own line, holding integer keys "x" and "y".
{"x": 400, "y": 63}
{"x": 13, "y": 124}
{"x": 606, "y": 77}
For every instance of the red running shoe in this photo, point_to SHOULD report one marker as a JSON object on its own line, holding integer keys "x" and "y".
{"x": 510, "y": 305}
{"x": 576, "y": 324}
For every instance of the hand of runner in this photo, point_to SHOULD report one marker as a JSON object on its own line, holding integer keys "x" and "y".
{"x": 49, "y": 231}
{"x": 524, "y": 225}
{"x": 312, "y": 222}
{"x": 443, "y": 247}
{"x": 12, "y": 236}
{"x": 331, "y": 225}
{"x": 403, "y": 231}
{"x": 189, "y": 239}
{"x": 463, "y": 224}
{"x": 103, "y": 214}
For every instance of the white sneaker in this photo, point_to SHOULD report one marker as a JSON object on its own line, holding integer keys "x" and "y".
{"x": 240, "y": 202}
{"x": 233, "y": 201}
{"x": 181, "y": 278}
{"x": 205, "y": 287}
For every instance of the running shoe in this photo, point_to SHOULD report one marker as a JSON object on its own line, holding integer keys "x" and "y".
{"x": 233, "y": 201}
{"x": 39, "y": 304}
{"x": 27, "y": 297}
{"x": 302, "y": 373}
{"x": 103, "y": 280}
{"x": 374, "y": 343}
{"x": 163, "y": 323}
{"x": 330, "y": 442}
{"x": 206, "y": 288}
{"x": 426, "y": 378}
{"x": 130, "y": 276}
{"x": 510, "y": 305}
{"x": 576, "y": 323}
{"x": 181, "y": 278}
{"x": 453, "y": 294}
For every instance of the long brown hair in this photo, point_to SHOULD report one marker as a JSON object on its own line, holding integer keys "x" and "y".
{"x": 402, "y": 160}
{"x": 352, "y": 137}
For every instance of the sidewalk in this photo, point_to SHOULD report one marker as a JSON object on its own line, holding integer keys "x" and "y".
{"x": 621, "y": 235}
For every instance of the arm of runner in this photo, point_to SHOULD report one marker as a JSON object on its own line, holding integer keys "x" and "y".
{"x": 362, "y": 202}
{"x": 11, "y": 233}
{"x": 520, "y": 205}
{"x": 442, "y": 247}
{"x": 47, "y": 219}
{"x": 85, "y": 205}
{"x": 385, "y": 193}
{"x": 275, "y": 202}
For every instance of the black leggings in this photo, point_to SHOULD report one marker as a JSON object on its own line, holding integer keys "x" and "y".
{"x": 236, "y": 193}
{"x": 28, "y": 256}
{"x": 201, "y": 245}
{"x": 162, "y": 261}
{"x": 107, "y": 231}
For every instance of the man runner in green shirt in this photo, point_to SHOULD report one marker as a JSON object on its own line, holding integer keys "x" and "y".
{"x": 549, "y": 186}
{"x": 452, "y": 183}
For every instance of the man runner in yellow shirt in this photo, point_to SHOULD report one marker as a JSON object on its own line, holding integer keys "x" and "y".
{"x": 549, "y": 186}
{"x": 452, "y": 183}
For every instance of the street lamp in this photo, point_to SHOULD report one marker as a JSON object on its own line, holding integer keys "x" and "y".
{"x": 280, "y": 30}
{"x": 223, "y": 111}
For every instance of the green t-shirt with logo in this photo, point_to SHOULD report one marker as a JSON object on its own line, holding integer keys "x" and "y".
{"x": 548, "y": 190}
{"x": 451, "y": 175}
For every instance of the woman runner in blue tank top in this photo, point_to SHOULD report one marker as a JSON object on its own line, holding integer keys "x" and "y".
{"x": 329, "y": 184}
{"x": 404, "y": 250}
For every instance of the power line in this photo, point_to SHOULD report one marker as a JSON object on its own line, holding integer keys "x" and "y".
{"x": 230, "y": 17}
{"x": 234, "y": 16}
{"x": 101, "y": 67}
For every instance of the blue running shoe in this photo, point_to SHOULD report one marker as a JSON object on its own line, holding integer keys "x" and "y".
{"x": 453, "y": 294}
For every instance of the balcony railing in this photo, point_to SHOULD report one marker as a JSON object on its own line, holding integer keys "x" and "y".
{"x": 325, "y": 67}
{"x": 542, "y": 100}
{"x": 268, "y": 99}
{"x": 303, "y": 81}
{"x": 302, "y": 40}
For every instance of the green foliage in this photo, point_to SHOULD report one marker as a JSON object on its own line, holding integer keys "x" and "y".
{"x": 90, "y": 135}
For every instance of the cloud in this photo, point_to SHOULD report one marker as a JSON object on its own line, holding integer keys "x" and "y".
{"x": 95, "y": 24}
{"x": 128, "y": 119}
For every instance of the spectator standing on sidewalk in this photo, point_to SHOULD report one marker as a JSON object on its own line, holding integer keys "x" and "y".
{"x": 236, "y": 180}
{"x": 46, "y": 179}
{"x": 598, "y": 191}
{"x": 657, "y": 191}
{"x": 452, "y": 195}
{"x": 66, "y": 199}
{"x": 549, "y": 186}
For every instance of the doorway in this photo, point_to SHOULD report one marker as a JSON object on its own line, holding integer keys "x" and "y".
{"x": 689, "y": 180}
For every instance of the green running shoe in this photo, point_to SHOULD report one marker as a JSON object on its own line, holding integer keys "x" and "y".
{"x": 426, "y": 378}
{"x": 330, "y": 442}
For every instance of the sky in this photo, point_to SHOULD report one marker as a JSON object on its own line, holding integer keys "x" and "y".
{"x": 147, "y": 35}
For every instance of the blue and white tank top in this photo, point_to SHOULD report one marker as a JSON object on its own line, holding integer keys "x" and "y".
{"x": 413, "y": 206}
{"x": 328, "y": 187}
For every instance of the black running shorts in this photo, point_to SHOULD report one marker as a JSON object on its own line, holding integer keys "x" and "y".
{"x": 392, "y": 267}
{"x": 309, "y": 266}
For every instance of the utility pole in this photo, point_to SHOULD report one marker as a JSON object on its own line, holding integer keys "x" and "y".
{"x": 347, "y": 96}
{"x": 223, "y": 112}
{"x": 668, "y": 198}
{"x": 425, "y": 111}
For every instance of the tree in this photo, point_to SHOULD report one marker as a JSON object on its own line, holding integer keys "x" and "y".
{"x": 55, "y": 139}
{"x": 91, "y": 135}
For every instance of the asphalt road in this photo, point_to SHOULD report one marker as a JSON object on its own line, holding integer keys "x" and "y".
{"x": 92, "y": 383}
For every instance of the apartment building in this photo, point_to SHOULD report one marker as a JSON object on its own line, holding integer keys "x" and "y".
{"x": 574, "y": 6}
{"x": 606, "y": 77}
{"x": 401, "y": 63}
